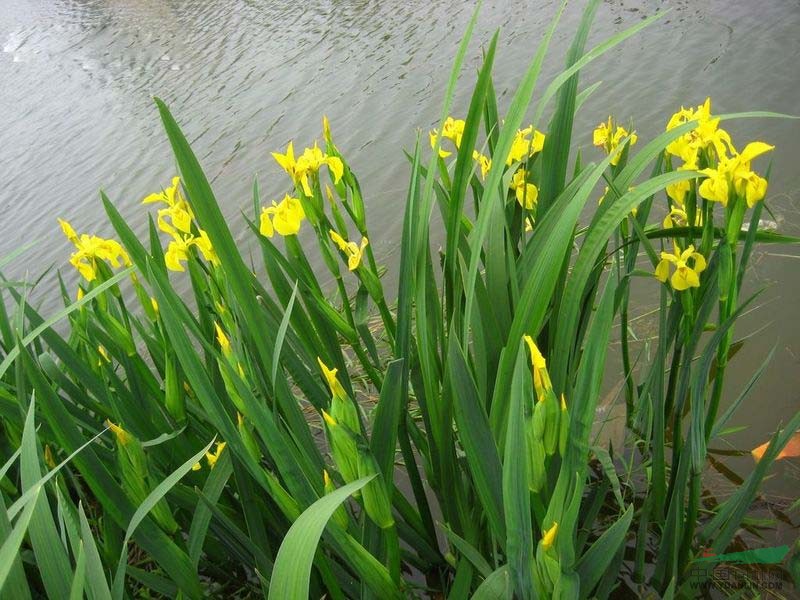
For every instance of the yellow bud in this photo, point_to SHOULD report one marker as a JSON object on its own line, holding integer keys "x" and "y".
{"x": 104, "y": 353}
{"x": 549, "y": 537}
{"x": 326, "y": 128}
{"x": 333, "y": 382}
{"x": 123, "y": 437}
{"x": 326, "y": 478}
{"x": 48, "y": 457}
{"x": 329, "y": 419}
{"x": 224, "y": 342}
{"x": 541, "y": 378}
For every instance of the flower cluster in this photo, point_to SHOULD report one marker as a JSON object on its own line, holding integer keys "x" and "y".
{"x": 727, "y": 179}
{"x": 527, "y": 143}
{"x": 177, "y": 220}
{"x": 710, "y": 149}
{"x": 609, "y": 136}
{"x": 89, "y": 249}
{"x": 308, "y": 165}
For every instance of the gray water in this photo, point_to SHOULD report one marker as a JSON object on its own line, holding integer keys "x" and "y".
{"x": 244, "y": 77}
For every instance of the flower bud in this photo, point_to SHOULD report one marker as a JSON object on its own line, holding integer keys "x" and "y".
{"x": 563, "y": 426}
{"x": 343, "y": 448}
{"x": 248, "y": 439}
{"x": 537, "y": 471}
{"x": 340, "y": 514}
{"x": 551, "y": 430}
{"x": 174, "y": 399}
{"x": 376, "y": 499}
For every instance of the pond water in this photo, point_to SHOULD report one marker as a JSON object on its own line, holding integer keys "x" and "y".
{"x": 243, "y": 77}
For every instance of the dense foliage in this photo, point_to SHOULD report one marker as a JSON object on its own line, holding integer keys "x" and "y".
{"x": 271, "y": 433}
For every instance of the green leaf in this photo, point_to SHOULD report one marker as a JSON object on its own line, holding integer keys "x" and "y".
{"x": 290, "y": 576}
{"x": 594, "y": 562}
{"x": 516, "y": 495}
{"x": 496, "y": 586}
{"x": 476, "y": 438}
{"x": 51, "y": 555}
{"x": 10, "y": 548}
{"x": 387, "y": 420}
{"x": 213, "y": 488}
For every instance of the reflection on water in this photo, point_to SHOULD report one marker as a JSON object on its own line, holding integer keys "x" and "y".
{"x": 243, "y": 77}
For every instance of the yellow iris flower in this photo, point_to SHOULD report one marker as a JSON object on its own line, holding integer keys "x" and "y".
{"x": 287, "y": 162}
{"x": 177, "y": 220}
{"x": 484, "y": 162}
{"x": 284, "y": 217}
{"x": 309, "y": 162}
{"x": 177, "y": 211}
{"x": 177, "y": 252}
{"x": 91, "y": 248}
{"x": 685, "y": 276}
{"x": 354, "y": 251}
{"x": 453, "y": 130}
{"x": 609, "y": 135}
{"x": 170, "y": 195}
{"x": 677, "y": 217}
{"x": 222, "y": 339}
{"x": 734, "y": 174}
{"x": 706, "y": 134}
{"x": 203, "y": 243}
{"x": 522, "y": 148}
{"x": 527, "y": 194}
{"x": 213, "y": 457}
{"x": 312, "y": 161}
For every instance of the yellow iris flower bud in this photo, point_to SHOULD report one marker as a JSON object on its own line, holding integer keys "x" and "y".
{"x": 541, "y": 378}
{"x": 222, "y": 339}
{"x": 123, "y": 437}
{"x": 549, "y": 537}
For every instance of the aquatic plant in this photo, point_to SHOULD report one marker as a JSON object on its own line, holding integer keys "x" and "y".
{"x": 272, "y": 434}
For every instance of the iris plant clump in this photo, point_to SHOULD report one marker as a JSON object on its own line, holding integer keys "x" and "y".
{"x": 268, "y": 434}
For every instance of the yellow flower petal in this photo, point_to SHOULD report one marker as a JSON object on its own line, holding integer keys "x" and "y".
{"x": 69, "y": 232}
{"x": 336, "y": 166}
{"x": 662, "y": 271}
